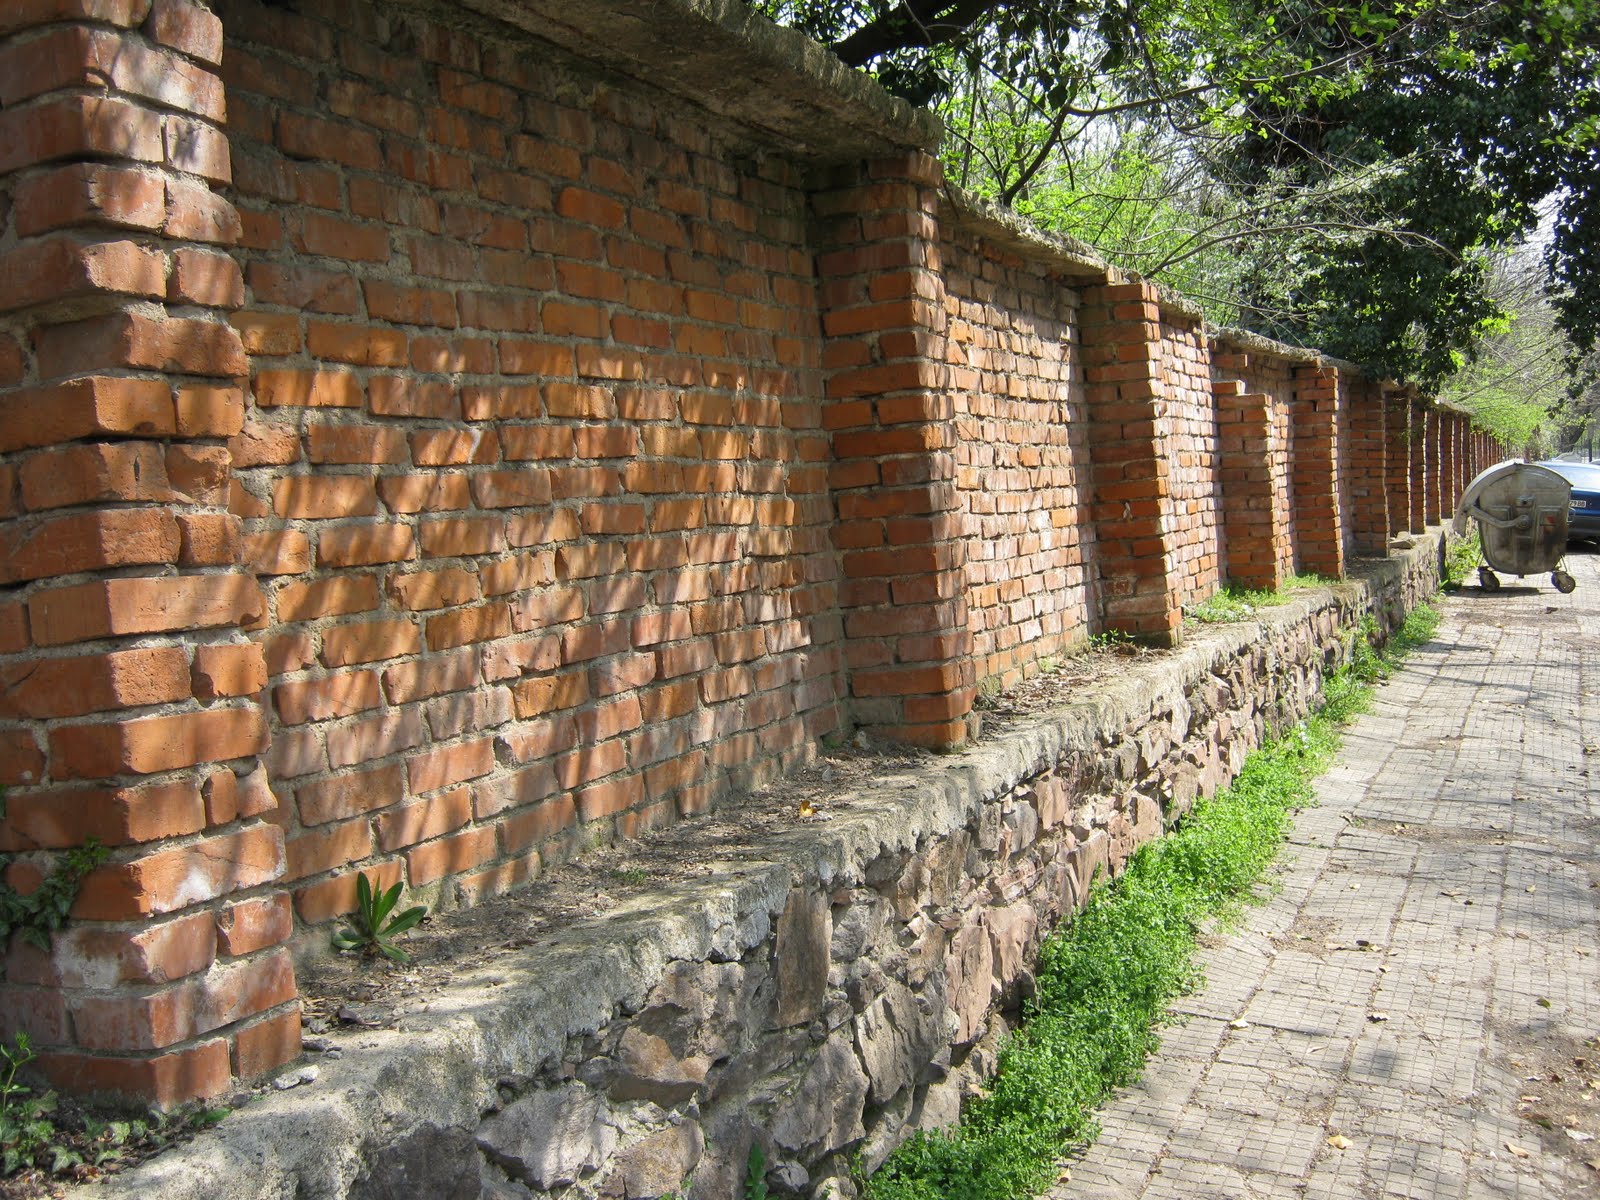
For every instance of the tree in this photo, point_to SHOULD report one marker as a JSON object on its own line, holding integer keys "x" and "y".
{"x": 1330, "y": 172}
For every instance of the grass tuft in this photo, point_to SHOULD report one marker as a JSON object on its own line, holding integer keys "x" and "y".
{"x": 1461, "y": 559}
{"x": 1234, "y": 602}
{"x": 1107, "y": 978}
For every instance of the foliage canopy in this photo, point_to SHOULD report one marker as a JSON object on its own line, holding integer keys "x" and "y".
{"x": 1336, "y": 173}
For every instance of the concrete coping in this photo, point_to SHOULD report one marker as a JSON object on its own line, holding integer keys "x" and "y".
{"x": 1255, "y": 343}
{"x": 708, "y": 52}
{"x": 1077, "y": 261}
{"x": 515, "y": 1016}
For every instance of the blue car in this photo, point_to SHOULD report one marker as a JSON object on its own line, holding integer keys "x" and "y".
{"x": 1583, "y": 517}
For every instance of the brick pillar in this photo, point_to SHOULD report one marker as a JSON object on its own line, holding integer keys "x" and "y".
{"x": 1254, "y": 517}
{"x": 1431, "y": 466}
{"x": 1368, "y": 458}
{"x": 1129, "y": 464}
{"x": 1449, "y": 463}
{"x": 891, "y": 422}
{"x": 1318, "y": 516}
{"x": 1419, "y": 457}
{"x": 130, "y": 711}
{"x": 1397, "y": 460}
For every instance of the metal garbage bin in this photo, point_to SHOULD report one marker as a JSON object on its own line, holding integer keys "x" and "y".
{"x": 1521, "y": 510}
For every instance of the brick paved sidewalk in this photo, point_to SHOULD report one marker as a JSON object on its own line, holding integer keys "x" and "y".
{"x": 1426, "y": 977}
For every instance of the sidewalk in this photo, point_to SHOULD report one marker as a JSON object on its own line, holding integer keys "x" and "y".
{"x": 1423, "y": 987}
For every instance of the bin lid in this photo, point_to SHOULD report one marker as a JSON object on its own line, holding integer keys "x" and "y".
{"x": 1518, "y": 473}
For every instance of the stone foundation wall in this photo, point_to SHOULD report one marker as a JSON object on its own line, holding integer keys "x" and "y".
{"x": 823, "y": 991}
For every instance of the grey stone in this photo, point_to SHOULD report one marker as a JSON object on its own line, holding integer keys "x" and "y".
{"x": 940, "y": 1105}
{"x": 658, "y": 1164}
{"x": 789, "y": 1177}
{"x": 969, "y": 967}
{"x": 801, "y": 955}
{"x": 551, "y": 1138}
{"x": 897, "y": 1035}
{"x": 647, "y": 1068}
{"x": 429, "y": 1161}
{"x": 822, "y": 1113}
{"x": 863, "y": 923}
{"x": 1011, "y": 938}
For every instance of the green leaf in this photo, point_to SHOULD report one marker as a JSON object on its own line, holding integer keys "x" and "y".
{"x": 405, "y": 920}
{"x": 386, "y": 903}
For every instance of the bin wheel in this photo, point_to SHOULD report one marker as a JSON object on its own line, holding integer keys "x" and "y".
{"x": 1563, "y": 581}
{"x": 1488, "y": 580}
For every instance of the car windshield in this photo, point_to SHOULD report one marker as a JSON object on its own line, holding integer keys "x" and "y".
{"x": 1582, "y": 475}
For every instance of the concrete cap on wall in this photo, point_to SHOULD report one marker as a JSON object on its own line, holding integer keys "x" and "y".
{"x": 707, "y": 52}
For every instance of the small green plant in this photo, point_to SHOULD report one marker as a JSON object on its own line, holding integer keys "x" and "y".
{"x": 1111, "y": 639}
{"x": 1461, "y": 559}
{"x": 630, "y": 876}
{"x": 755, "y": 1174}
{"x": 25, "y": 1126}
{"x": 1236, "y": 603}
{"x": 371, "y": 927}
{"x": 42, "y": 1138}
{"x": 1301, "y": 580}
{"x": 44, "y": 910}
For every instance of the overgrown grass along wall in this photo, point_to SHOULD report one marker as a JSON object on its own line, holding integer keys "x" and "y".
{"x": 1107, "y": 978}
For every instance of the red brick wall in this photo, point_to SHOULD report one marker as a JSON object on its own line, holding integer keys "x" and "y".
{"x": 1257, "y": 482}
{"x": 532, "y": 467}
{"x": 1367, "y": 450}
{"x": 1191, "y": 446}
{"x": 889, "y": 412}
{"x": 418, "y": 457}
{"x": 1319, "y": 488}
{"x": 1021, "y": 458}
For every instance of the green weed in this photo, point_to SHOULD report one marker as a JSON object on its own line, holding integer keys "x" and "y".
{"x": 755, "y": 1174}
{"x": 44, "y": 910}
{"x": 1301, "y": 580}
{"x": 1461, "y": 559}
{"x": 1111, "y": 639}
{"x": 44, "y": 1138}
{"x": 371, "y": 927}
{"x": 1105, "y": 980}
{"x": 25, "y": 1125}
{"x": 1234, "y": 602}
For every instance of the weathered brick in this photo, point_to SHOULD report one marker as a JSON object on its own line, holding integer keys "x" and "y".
{"x": 178, "y": 877}
{"x": 147, "y": 745}
{"x": 120, "y": 607}
{"x": 80, "y": 684}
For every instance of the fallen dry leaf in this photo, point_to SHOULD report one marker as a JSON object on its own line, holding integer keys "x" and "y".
{"x": 1517, "y": 1150}
{"x": 1241, "y": 1023}
{"x": 1377, "y": 1017}
{"x": 1339, "y": 1142}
